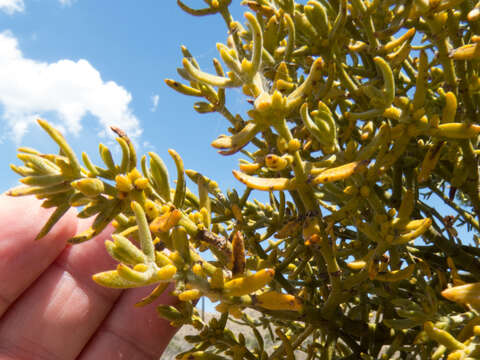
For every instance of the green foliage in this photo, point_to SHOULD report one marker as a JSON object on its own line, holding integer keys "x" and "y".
{"x": 360, "y": 111}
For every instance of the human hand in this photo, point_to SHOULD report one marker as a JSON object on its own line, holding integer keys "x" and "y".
{"x": 50, "y": 308}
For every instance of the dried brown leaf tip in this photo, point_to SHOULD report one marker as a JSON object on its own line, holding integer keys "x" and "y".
{"x": 238, "y": 254}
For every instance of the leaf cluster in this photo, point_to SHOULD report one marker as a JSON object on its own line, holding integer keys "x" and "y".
{"x": 363, "y": 118}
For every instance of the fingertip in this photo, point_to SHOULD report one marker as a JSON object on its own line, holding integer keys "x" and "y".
{"x": 24, "y": 258}
{"x": 24, "y": 217}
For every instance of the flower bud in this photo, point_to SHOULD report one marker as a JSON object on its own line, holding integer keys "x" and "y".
{"x": 90, "y": 187}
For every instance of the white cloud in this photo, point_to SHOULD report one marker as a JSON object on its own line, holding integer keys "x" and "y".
{"x": 148, "y": 146}
{"x": 11, "y": 6}
{"x": 66, "y": 2}
{"x": 68, "y": 89}
{"x": 155, "y": 99}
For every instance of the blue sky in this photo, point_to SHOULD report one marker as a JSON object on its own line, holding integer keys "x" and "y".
{"x": 85, "y": 65}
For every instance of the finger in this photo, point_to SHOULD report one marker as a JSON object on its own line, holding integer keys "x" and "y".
{"x": 55, "y": 318}
{"x": 23, "y": 259}
{"x": 132, "y": 332}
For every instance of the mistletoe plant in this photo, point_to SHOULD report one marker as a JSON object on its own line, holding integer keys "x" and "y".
{"x": 360, "y": 110}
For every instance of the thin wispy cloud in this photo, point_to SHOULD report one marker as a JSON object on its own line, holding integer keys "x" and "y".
{"x": 68, "y": 89}
{"x": 12, "y": 6}
{"x": 66, "y": 2}
{"x": 155, "y": 99}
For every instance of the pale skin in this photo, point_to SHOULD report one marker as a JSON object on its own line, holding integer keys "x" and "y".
{"x": 50, "y": 308}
